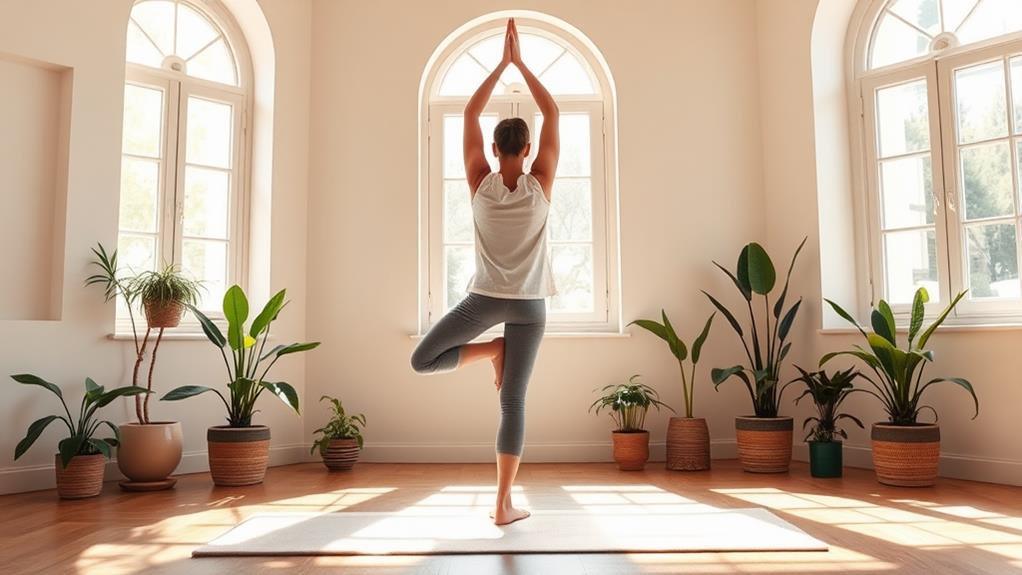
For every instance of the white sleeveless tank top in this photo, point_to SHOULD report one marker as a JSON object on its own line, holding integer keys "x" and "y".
{"x": 511, "y": 251}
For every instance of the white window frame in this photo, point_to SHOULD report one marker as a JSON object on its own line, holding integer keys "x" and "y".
{"x": 605, "y": 317}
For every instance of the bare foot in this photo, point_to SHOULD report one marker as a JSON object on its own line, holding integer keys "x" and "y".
{"x": 498, "y": 362}
{"x": 506, "y": 516}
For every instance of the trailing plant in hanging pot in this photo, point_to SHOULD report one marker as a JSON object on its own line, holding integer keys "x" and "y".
{"x": 628, "y": 404}
{"x": 764, "y": 440}
{"x": 239, "y": 451}
{"x": 341, "y": 437}
{"x": 905, "y": 452}
{"x": 688, "y": 438}
{"x": 828, "y": 392}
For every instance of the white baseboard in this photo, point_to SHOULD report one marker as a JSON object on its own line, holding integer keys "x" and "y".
{"x": 482, "y": 452}
{"x": 34, "y": 478}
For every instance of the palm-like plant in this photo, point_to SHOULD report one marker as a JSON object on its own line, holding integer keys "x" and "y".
{"x": 340, "y": 426}
{"x": 898, "y": 382}
{"x": 766, "y": 349}
{"x": 628, "y": 403}
{"x": 828, "y": 393}
{"x": 249, "y": 361}
{"x": 665, "y": 331}
{"x": 82, "y": 430}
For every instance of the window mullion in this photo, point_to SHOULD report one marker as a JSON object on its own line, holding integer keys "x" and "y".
{"x": 176, "y": 173}
{"x": 945, "y": 156}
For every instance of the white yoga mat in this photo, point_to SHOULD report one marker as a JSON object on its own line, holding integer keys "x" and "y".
{"x": 350, "y": 533}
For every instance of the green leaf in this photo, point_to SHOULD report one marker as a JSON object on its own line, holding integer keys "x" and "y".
{"x": 285, "y": 392}
{"x": 296, "y": 348}
{"x": 29, "y": 379}
{"x": 846, "y": 316}
{"x": 185, "y": 391}
{"x": 269, "y": 313}
{"x": 743, "y": 288}
{"x": 697, "y": 345}
{"x": 92, "y": 389}
{"x": 34, "y": 431}
{"x": 742, "y": 272}
{"x": 888, "y": 318}
{"x": 101, "y": 446}
{"x": 113, "y": 394}
{"x": 720, "y": 375}
{"x": 962, "y": 382}
{"x": 789, "y": 319}
{"x": 212, "y": 332}
{"x": 888, "y": 356}
{"x": 648, "y": 325}
{"x": 236, "y": 312}
{"x": 727, "y": 315}
{"x": 940, "y": 319}
{"x": 241, "y": 387}
{"x": 68, "y": 448}
{"x": 677, "y": 346}
{"x": 761, "y": 270}
{"x": 918, "y": 311}
{"x": 779, "y": 305}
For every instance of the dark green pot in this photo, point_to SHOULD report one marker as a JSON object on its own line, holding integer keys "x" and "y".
{"x": 825, "y": 458}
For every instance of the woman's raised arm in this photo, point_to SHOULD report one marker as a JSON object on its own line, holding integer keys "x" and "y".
{"x": 476, "y": 166}
{"x": 545, "y": 165}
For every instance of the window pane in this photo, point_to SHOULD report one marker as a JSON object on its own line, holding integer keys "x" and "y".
{"x": 209, "y": 133}
{"x": 214, "y": 63}
{"x": 567, "y": 75}
{"x": 903, "y": 124}
{"x": 206, "y": 261}
{"x": 895, "y": 41}
{"x": 459, "y": 266}
{"x": 207, "y": 203}
{"x": 981, "y": 102}
{"x": 454, "y": 158}
{"x": 136, "y": 253}
{"x": 463, "y": 77}
{"x": 539, "y": 52}
{"x": 140, "y": 192}
{"x": 139, "y": 49}
{"x": 1016, "y": 93}
{"x": 991, "y": 18}
{"x": 573, "y": 274}
{"x": 955, "y": 11}
{"x": 156, "y": 18}
{"x": 458, "y": 221}
{"x": 923, "y": 13}
{"x": 910, "y": 262}
{"x": 993, "y": 261}
{"x": 193, "y": 31}
{"x": 143, "y": 120}
{"x": 576, "y": 147}
{"x": 571, "y": 210}
{"x": 986, "y": 180}
{"x": 907, "y": 189}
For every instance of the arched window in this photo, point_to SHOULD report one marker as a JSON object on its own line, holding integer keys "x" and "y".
{"x": 940, "y": 83}
{"x": 582, "y": 225}
{"x": 183, "y": 179}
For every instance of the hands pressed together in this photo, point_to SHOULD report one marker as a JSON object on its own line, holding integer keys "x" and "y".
{"x": 512, "y": 46}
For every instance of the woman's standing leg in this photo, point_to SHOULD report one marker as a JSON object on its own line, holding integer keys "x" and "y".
{"x": 523, "y": 332}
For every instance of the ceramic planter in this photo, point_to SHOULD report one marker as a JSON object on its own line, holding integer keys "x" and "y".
{"x": 238, "y": 455}
{"x": 688, "y": 444}
{"x": 83, "y": 476}
{"x": 825, "y": 458}
{"x": 631, "y": 449}
{"x": 764, "y": 443}
{"x": 906, "y": 455}
{"x": 148, "y": 454}
{"x": 163, "y": 314}
{"x": 341, "y": 454}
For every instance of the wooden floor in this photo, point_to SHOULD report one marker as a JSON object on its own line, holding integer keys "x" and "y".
{"x": 958, "y": 527}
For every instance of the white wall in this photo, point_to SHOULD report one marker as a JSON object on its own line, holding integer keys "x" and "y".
{"x": 89, "y": 37}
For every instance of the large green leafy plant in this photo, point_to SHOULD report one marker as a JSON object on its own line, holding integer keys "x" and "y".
{"x": 665, "y": 331}
{"x": 828, "y": 393}
{"x": 765, "y": 342}
{"x": 628, "y": 403}
{"x": 898, "y": 381}
{"x": 81, "y": 438}
{"x": 340, "y": 426}
{"x": 249, "y": 361}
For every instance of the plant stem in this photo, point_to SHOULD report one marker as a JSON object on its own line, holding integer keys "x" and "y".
{"x": 685, "y": 390}
{"x": 149, "y": 382}
{"x": 140, "y": 355}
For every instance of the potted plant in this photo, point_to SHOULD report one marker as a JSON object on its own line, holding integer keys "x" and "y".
{"x": 239, "y": 451}
{"x": 764, "y": 439}
{"x": 341, "y": 438}
{"x": 81, "y": 457}
{"x": 828, "y": 393}
{"x": 688, "y": 438}
{"x": 628, "y": 404}
{"x": 149, "y": 451}
{"x": 905, "y": 452}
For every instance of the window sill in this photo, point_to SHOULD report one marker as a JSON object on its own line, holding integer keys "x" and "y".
{"x": 171, "y": 336}
{"x": 549, "y": 335}
{"x": 964, "y": 327}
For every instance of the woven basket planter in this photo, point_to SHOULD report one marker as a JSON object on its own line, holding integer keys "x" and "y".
{"x": 906, "y": 455}
{"x": 83, "y": 476}
{"x": 764, "y": 443}
{"x": 631, "y": 449}
{"x": 238, "y": 455}
{"x": 688, "y": 444}
{"x": 341, "y": 454}
{"x": 163, "y": 314}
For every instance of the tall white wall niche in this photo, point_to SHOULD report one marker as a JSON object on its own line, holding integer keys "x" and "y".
{"x": 35, "y": 110}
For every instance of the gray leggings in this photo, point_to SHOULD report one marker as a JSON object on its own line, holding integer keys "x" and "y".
{"x": 524, "y": 321}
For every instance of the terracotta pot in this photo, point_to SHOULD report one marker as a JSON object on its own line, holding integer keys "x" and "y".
{"x": 238, "y": 455}
{"x": 148, "y": 454}
{"x": 906, "y": 455}
{"x": 688, "y": 444}
{"x": 764, "y": 443}
{"x": 83, "y": 476}
{"x": 631, "y": 449}
{"x": 341, "y": 454}
{"x": 163, "y": 314}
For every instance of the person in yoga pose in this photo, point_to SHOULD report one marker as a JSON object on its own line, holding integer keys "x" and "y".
{"x": 513, "y": 275}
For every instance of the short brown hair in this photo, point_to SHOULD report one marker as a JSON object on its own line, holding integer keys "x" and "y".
{"x": 511, "y": 136}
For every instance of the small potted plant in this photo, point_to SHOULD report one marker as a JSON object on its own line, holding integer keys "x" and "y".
{"x": 240, "y": 451}
{"x": 81, "y": 457}
{"x": 341, "y": 438}
{"x": 149, "y": 451}
{"x": 828, "y": 393}
{"x": 628, "y": 404}
{"x": 688, "y": 438}
{"x": 765, "y": 438}
{"x": 905, "y": 452}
